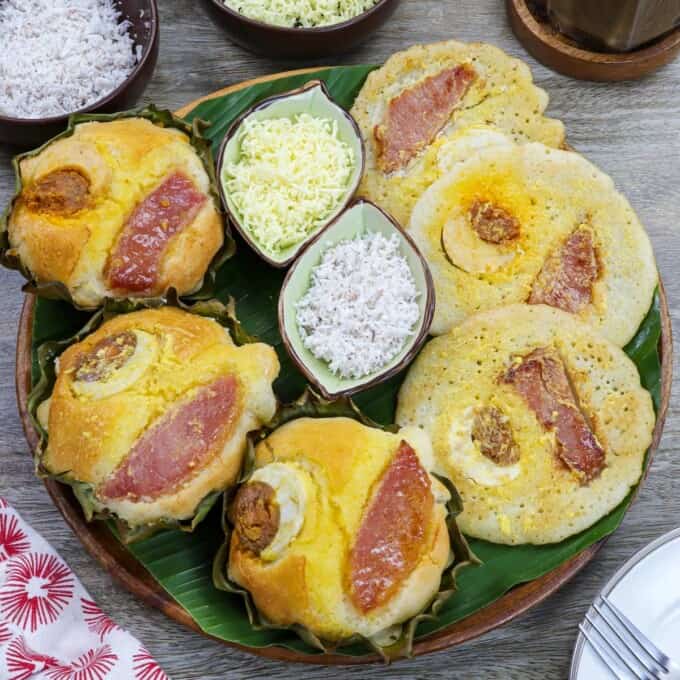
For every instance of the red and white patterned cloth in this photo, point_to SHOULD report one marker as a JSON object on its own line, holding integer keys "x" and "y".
{"x": 50, "y": 629}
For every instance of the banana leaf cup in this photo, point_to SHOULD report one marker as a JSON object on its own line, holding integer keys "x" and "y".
{"x": 56, "y": 289}
{"x": 87, "y": 492}
{"x": 396, "y": 640}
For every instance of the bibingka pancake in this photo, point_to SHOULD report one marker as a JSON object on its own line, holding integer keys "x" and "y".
{"x": 410, "y": 109}
{"x": 539, "y": 421}
{"x": 341, "y": 528}
{"x": 526, "y": 223}
{"x": 151, "y": 412}
{"x": 117, "y": 209}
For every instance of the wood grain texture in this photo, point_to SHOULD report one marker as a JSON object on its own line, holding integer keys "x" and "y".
{"x": 631, "y": 130}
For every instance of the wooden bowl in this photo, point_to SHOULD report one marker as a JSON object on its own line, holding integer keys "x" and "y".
{"x": 31, "y": 132}
{"x": 563, "y": 55}
{"x": 99, "y": 542}
{"x": 299, "y": 43}
{"x": 122, "y": 565}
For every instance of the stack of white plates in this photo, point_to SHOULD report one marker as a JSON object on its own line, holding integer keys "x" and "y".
{"x": 647, "y": 590}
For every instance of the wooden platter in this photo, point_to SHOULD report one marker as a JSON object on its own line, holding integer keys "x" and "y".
{"x": 565, "y": 56}
{"x": 105, "y": 548}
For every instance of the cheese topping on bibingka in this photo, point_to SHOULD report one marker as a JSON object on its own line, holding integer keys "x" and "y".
{"x": 411, "y": 108}
{"x": 117, "y": 209}
{"x": 526, "y": 223}
{"x": 341, "y": 528}
{"x": 541, "y": 423}
{"x": 152, "y": 411}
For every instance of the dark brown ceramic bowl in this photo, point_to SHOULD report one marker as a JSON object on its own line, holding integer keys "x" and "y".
{"x": 143, "y": 16}
{"x": 300, "y": 43}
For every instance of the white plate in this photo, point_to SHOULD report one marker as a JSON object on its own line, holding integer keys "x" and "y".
{"x": 647, "y": 590}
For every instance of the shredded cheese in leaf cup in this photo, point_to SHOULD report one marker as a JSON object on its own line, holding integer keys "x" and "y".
{"x": 287, "y": 167}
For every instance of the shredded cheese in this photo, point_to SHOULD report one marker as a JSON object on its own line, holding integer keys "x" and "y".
{"x": 59, "y": 56}
{"x": 300, "y": 13}
{"x": 292, "y": 173}
{"x": 361, "y": 306}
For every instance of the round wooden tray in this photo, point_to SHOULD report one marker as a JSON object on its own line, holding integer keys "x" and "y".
{"x": 105, "y": 548}
{"x": 565, "y": 56}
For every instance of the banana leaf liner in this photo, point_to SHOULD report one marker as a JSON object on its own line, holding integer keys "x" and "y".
{"x": 399, "y": 640}
{"x": 55, "y": 290}
{"x": 643, "y": 349}
{"x": 47, "y": 355}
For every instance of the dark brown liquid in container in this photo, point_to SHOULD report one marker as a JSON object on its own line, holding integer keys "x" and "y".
{"x": 613, "y": 25}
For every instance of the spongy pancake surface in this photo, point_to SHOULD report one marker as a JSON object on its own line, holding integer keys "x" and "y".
{"x": 339, "y": 462}
{"x": 542, "y": 501}
{"x": 502, "y": 94}
{"x": 551, "y": 193}
{"x": 124, "y": 161}
{"x": 91, "y": 433}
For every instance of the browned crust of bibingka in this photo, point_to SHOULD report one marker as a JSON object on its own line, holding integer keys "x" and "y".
{"x": 551, "y": 194}
{"x": 334, "y": 464}
{"x": 123, "y": 161}
{"x": 96, "y": 414}
{"x": 502, "y": 94}
{"x": 534, "y": 497}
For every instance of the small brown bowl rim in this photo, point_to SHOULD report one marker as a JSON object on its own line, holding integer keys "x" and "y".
{"x": 418, "y": 340}
{"x": 63, "y": 118}
{"x": 352, "y": 189}
{"x": 291, "y": 31}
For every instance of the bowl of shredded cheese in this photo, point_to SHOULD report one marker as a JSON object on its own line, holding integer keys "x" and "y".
{"x": 287, "y": 167}
{"x": 357, "y": 305}
{"x": 300, "y": 28}
{"x": 95, "y": 56}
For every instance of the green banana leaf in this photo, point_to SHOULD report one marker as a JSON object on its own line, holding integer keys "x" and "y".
{"x": 182, "y": 563}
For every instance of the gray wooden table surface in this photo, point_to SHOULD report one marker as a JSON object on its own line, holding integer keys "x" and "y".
{"x": 631, "y": 130}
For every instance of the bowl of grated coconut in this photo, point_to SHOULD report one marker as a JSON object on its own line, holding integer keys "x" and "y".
{"x": 357, "y": 305}
{"x": 97, "y": 56}
{"x": 297, "y": 28}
